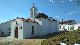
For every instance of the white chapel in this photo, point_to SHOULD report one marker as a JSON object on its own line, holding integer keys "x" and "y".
{"x": 37, "y": 25}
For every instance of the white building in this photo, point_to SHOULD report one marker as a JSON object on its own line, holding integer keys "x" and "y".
{"x": 66, "y": 27}
{"x": 76, "y": 26}
{"x": 5, "y": 29}
{"x": 39, "y": 24}
{"x": 69, "y": 25}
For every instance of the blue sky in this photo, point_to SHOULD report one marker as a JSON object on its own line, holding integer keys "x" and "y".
{"x": 59, "y": 9}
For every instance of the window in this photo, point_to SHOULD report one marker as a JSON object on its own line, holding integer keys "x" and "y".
{"x": 16, "y": 22}
{"x": 32, "y": 30}
{"x": 68, "y": 28}
{"x": 16, "y": 28}
{"x": 63, "y": 27}
{"x": 72, "y": 28}
{"x": 21, "y": 27}
{"x": 2, "y": 33}
{"x": 60, "y": 27}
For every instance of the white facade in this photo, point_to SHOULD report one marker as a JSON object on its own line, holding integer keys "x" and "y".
{"x": 77, "y": 26}
{"x": 66, "y": 27}
{"x": 46, "y": 27}
{"x": 24, "y": 28}
{"x": 37, "y": 25}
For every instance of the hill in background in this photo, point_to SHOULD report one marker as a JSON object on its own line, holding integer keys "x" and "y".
{"x": 66, "y": 37}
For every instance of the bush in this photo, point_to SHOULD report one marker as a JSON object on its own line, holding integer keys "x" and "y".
{"x": 71, "y": 37}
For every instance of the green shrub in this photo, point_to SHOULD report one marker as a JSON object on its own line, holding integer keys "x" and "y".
{"x": 67, "y": 37}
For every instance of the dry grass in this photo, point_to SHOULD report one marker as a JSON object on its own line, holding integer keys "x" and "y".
{"x": 5, "y": 41}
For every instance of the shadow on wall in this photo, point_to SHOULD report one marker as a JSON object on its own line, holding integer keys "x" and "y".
{"x": 47, "y": 36}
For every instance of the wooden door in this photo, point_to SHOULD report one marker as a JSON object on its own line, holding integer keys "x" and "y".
{"x": 16, "y": 32}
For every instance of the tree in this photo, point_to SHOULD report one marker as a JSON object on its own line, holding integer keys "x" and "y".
{"x": 41, "y": 15}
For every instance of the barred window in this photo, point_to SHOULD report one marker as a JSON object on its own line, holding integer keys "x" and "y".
{"x": 21, "y": 27}
{"x": 32, "y": 30}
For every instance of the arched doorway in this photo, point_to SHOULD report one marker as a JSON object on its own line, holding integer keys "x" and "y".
{"x": 16, "y": 32}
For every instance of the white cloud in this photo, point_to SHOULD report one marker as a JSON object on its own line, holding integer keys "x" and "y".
{"x": 57, "y": 16}
{"x": 50, "y": 0}
{"x": 62, "y": 1}
{"x": 72, "y": 12}
{"x": 70, "y": 0}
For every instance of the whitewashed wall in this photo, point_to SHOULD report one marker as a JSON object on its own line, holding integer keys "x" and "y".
{"x": 48, "y": 26}
{"x": 27, "y": 29}
{"x": 20, "y": 31}
{"x": 67, "y": 27}
{"x": 13, "y": 24}
{"x": 76, "y": 26}
{"x": 55, "y": 26}
{"x": 43, "y": 27}
{"x": 4, "y": 27}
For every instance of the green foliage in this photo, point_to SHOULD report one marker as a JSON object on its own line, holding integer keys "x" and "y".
{"x": 67, "y": 37}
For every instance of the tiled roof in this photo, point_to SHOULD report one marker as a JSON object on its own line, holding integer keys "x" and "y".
{"x": 28, "y": 20}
